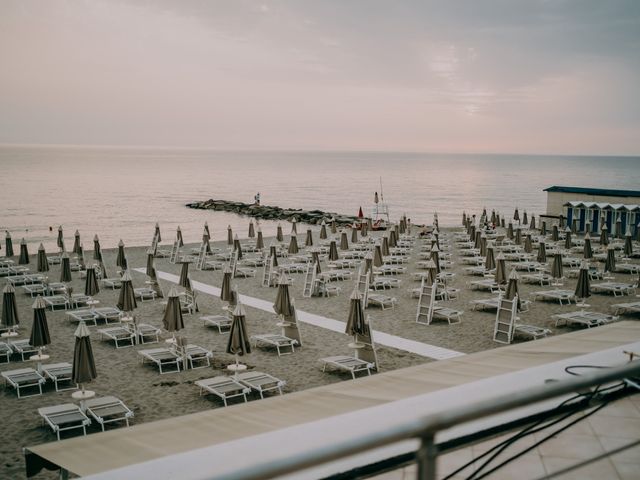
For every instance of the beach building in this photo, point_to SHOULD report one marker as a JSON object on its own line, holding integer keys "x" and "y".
{"x": 588, "y": 209}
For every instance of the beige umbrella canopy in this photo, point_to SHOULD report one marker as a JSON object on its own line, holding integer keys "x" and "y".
{"x": 308, "y": 241}
{"x": 490, "y": 261}
{"x": 557, "y": 270}
{"x": 39, "y": 337}
{"x": 24, "y": 253}
{"x": 525, "y": 219}
{"x": 385, "y": 247}
{"x": 567, "y": 239}
{"x": 81, "y": 257}
{"x": 84, "y": 366}
{"x": 184, "y": 275}
{"x": 528, "y": 244}
{"x": 323, "y": 230}
{"x": 8, "y": 244}
{"x": 628, "y": 245}
{"x": 42, "y": 262}
{"x": 543, "y": 228}
{"x": 393, "y": 242}
{"x": 355, "y": 320}
{"x": 532, "y": 225}
{"x": 432, "y": 272}
{"x": 206, "y": 241}
{"x": 364, "y": 227}
{"x": 149, "y": 261}
{"x": 367, "y": 266}
{"x": 604, "y": 234}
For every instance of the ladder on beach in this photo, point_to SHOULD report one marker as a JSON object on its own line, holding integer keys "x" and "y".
{"x": 267, "y": 272}
{"x": 175, "y": 249}
{"x": 425, "y": 302}
{"x": 362, "y": 285}
{"x": 202, "y": 256}
{"x": 233, "y": 263}
{"x": 505, "y": 320}
{"x": 307, "y": 289}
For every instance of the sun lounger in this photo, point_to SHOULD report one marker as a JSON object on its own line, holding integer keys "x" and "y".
{"x": 428, "y": 309}
{"x": 147, "y": 333}
{"x": 617, "y": 289}
{"x": 623, "y": 308}
{"x": 559, "y": 295}
{"x": 586, "y": 319}
{"x": 108, "y": 314}
{"x": 24, "y": 378}
{"x": 352, "y": 365}
{"x": 5, "y": 351}
{"x": 275, "y": 340}
{"x": 22, "y": 348}
{"x": 144, "y": 293}
{"x": 390, "y": 270}
{"x": 57, "y": 301}
{"x": 87, "y": 316}
{"x": 382, "y": 301}
{"x": 221, "y": 322}
{"x": 67, "y": 416}
{"x": 108, "y": 410}
{"x": 487, "y": 284}
{"x": 162, "y": 357}
{"x": 540, "y": 278}
{"x": 383, "y": 283}
{"x": 261, "y": 382}
{"x": 223, "y": 387}
{"x": 118, "y": 334}
{"x": 506, "y": 326}
{"x": 197, "y": 354}
{"x": 18, "y": 280}
{"x": 492, "y": 304}
{"x": 59, "y": 372}
{"x": 112, "y": 283}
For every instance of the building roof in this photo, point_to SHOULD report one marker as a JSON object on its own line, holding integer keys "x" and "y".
{"x": 605, "y": 192}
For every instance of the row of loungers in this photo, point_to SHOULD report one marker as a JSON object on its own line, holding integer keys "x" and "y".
{"x": 192, "y": 356}
{"x": 70, "y": 416}
{"x": 29, "y": 378}
{"x": 240, "y": 385}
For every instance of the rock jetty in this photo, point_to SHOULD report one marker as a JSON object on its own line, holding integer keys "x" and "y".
{"x": 267, "y": 212}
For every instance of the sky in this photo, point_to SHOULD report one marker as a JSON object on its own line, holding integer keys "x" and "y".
{"x": 492, "y": 76}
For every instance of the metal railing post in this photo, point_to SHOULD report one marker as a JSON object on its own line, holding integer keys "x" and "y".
{"x": 426, "y": 457}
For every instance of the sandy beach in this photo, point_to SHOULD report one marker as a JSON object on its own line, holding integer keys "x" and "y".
{"x": 153, "y": 396}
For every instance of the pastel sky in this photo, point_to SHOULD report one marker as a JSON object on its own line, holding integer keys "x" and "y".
{"x": 503, "y": 76}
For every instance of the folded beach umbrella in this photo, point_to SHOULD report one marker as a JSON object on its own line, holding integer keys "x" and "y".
{"x": 234, "y": 298}
{"x": 588, "y": 252}
{"x": 334, "y": 228}
{"x": 435, "y": 256}
{"x": 354, "y": 235}
{"x": 149, "y": 268}
{"x": 259, "y": 240}
{"x": 24, "y": 253}
{"x": 121, "y": 259}
{"x": 403, "y": 225}
{"x": 184, "y": 275}
{"x": 638, "y": 232}
{"x": 542, "y": 252}
{"x": 205, "y": 240}
{"x": 84, "y": 365}
{"x": 471, "y": 231}
{"x": 65, "y": 268}
{"x": 294, "y": 226}
{"x": 618, "y": 228}
{"x": 344, "y": 242}
{"x": 127, "y": 299}
{"x": 567, "y": 239}
{"x": 432, "y": 272}
{"x": 561, "y": 221}
{"x": 477, "y": 241}
{"x": 97, "y": 253}
{"x": 516, "y": 215}
{"x": 293, "y": 244}
{"x": 525, "y": 219}
{"x": 356, "y": 319}
{"x": 557, "y": 270}
{"x": 502, "y": 222}
{"x": 103, "y": 267}
{"x": 10, "y": 318}
{"x": 574, "y": 226}
{"x": 323, "y": 230}
{"x": 532, "y": 226}
{"x": 42, "y": 262}
{"x": 39, "y": 337}
{"x": 490, "y": 260}
{"x": 252, "y": 231}
{"x": 385, "y": 247}
{"x": 91, "y": 286}
{"x": 555, "y": 235}
{"x": 206, "y": 230}
{"x": 628, "y": 246}
{"x": 8, "y": 244}
{"x": 76, "y": 242}
{"x": 393, "y": 238}
{"x": 179, "y": 238}
{"x": 237, "y": 247}
{"x": 610, "y": 261}
{"x": 583, "y": 288}
{"x": 60, "y": 241}
{"x": 172, "y": 320}
{"x": 81, "y": 257}
{"x": 369, "y": 224}
{"x": 364, "y": 229}
{"x": 225, "y": 291}
{"x": 238, "y": 343}
{"x": 543, "y": 228}
{"x": 273, "y": 253}
{"x": 315, "y": 259}
{"x": 464, "y": 218}
{"x": 587, "y": 227}
{"x": 279, "y": 236}
{"x": 528, "y": 244}
{"x": 483, "y": 245}
{"x": 604, "y": 235}
{"x": 308, "y": 241}
{"x": 333, "y": 251}
{"x": 368, "y": 263}
{"x": 377, "y": 256}
{"x": 229, "y": 235}
{"x": 512, "y": 287}
{"x": 157, "y": 235}
{"x": 282, "y": 305}
{"x": 518, "y": 239}
{"x": 153, "y": 280}
{"x": 501, "y": 270}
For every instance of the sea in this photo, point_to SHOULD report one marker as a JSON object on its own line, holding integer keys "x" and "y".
{"x": 120, "y": 193}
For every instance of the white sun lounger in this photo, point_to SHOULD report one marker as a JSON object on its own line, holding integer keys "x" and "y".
{"x": 382, "y": 283}
{"x": 23, "y": 347}
{"x": 59, "y": 372}
{"x": 24, "y": 378}
{"x": 261, "y": 382}
{"x": 57, "y": 301}
{"x": 622, "y": 308}
{"x": 492, "y": 304}
{"x": 162, "y": 357}
{"x": 540, "y": 278}
{"x": 118, "y": 334}
{"x": 87, "y": 316}
{"x": 617, "y": 289}
{"x": 352, "y": 365}
{"x": 112, "y": 283}
{"x": 223, "y": 387}
{"x": 586, "y": 319}
{"x": 108, "y": 410}
{"x": 144, "y": 293}
{"x": 276, "y": 340}
{"x": 108, "y": 314}
{"x": 382, "y": 301}
{"x": 197, "y": 354}
{"x": 5, "y": 351}
{"x": 559, "y": 295}
{"x": 148, "y": 333}
{"x": 221, "y": 322}
{"x": 67, "y": 416}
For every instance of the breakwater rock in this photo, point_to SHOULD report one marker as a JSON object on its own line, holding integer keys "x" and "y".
{"x": 267, "y": 212}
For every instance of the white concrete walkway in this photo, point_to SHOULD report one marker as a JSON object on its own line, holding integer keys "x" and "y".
{"x": 381, "y": 338}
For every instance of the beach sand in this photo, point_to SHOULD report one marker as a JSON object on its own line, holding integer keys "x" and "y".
{"x": 153, "y": 396}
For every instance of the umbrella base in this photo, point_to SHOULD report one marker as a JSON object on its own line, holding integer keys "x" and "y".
{"x": 83, "y": 396}
{"x": 236, "y": 367}
{"x": 356, "y": 345}
{"x": 9, "y": 334}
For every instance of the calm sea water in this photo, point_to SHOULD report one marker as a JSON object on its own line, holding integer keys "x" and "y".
{"x": 119, "y": 193}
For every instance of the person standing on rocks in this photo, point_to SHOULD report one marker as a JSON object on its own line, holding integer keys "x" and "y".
{"x": 257, "y": 198}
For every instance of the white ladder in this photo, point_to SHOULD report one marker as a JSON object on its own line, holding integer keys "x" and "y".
{"x": 173, "y": 258}
{"x": 425, "y": 302}
{"x": 307, "y": 290}
{"x": 362, "y": 285}
{"x": 505, "y": 320}
{"x": 233, "y": 263}
{"x": 202, "y": 256}
{"x": 266, "y": 275}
